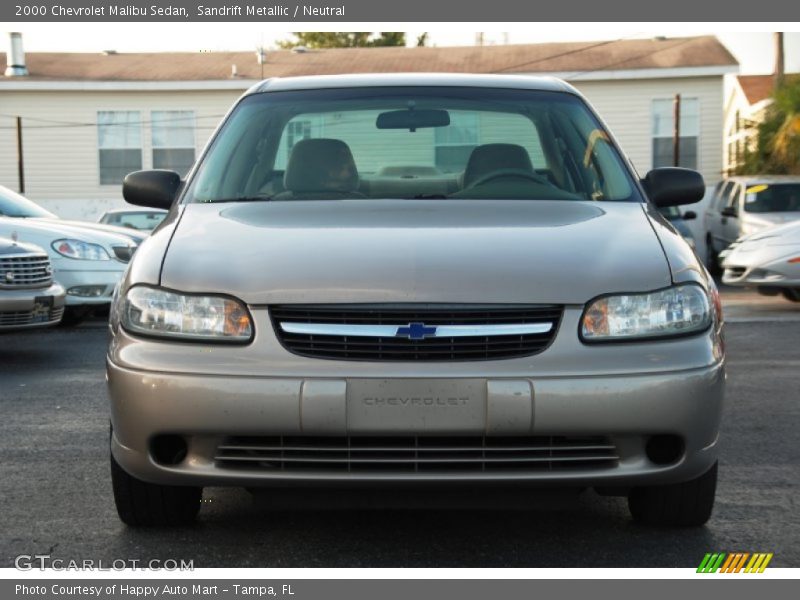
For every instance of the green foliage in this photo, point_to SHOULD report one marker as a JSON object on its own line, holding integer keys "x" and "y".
{"x": 352, "y": 39}
{"x": 777, "y": 149}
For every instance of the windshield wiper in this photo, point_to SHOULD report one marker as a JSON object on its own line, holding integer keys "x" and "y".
{"x": 429, "y": 197}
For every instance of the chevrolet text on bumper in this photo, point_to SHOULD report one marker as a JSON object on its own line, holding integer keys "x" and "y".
{"x": 371, "y": 308}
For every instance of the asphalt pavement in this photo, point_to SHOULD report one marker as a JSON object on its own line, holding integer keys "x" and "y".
{"x": 56, "y": 491}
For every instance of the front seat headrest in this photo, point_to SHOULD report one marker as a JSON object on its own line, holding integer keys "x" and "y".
{"x": 321, "y": 165}
{"x": 488, "y": 158}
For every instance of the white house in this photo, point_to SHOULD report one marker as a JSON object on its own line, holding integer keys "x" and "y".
{"x": 87, "y": 119}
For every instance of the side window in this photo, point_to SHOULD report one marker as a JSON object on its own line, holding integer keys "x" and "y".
{"x": 722, "y": 199}
{"x": 733, "y": 198}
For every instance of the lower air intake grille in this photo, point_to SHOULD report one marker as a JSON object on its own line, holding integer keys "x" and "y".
{"x": 414, "y": 454}
{"x": 27, "y": 317}
{"x": 434, "y": 318}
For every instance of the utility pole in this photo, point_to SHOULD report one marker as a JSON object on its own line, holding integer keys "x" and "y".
{"x": 676, "y": 131}
{"x": 779, "y": 66}
{"x": 20, "y": 159}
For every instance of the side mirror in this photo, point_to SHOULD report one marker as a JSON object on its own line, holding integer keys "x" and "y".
{"x": 689, "y": 215}
{"x": 674, "y": 186}
{"x": 729, "y": 211}
{"x": 153, "y": 189}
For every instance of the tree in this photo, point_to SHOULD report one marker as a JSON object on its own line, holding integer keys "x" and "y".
{"x": 777, "y": 148}
{"x": 422, "y": 40}
{"x": 353, "y": 39}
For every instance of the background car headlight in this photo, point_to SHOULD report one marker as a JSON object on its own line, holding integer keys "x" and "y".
{"x": 80, "y": 250}
{"x": 162, "y": 313}
{"x": 677, "y": 310}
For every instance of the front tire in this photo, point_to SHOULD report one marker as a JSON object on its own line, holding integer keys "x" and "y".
{"x": 142, "y": 504}
{"x": 791, "y": 294}
{"x": 712, "y": 258}
{"x": 686, "y": 504}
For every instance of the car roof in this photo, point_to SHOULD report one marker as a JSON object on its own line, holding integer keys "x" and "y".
{"x": 115, "y": 211}
{"x": 764, "y": 178}
{"x": 312, "y": 82}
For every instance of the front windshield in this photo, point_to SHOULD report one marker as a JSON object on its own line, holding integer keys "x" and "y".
{"x": 412, "y": 142}
{"x": 14, "y": 205}
{"x": 771, "y": 198}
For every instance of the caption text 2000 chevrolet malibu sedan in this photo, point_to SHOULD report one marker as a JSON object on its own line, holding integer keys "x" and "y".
{"x": 415, "y": 281}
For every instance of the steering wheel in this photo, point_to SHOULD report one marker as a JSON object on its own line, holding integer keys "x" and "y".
{"x": 500, "y": 173}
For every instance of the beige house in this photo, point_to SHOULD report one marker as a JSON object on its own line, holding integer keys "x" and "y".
{"x": 87, "y": 119}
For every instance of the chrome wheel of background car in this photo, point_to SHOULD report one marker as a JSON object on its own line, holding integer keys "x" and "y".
{"x": 686, "y": 504}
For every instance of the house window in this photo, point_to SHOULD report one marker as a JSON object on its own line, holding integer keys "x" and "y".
{"x": 173, "y": 140}
{"x": 663, "y": 122}
{"x": 456, "y": 142}
{"x": 297, "y": 131}
{"x": 119, "y": 142}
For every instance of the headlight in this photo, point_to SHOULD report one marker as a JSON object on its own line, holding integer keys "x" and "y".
{"x": 161, "y": 313}
{"x": 80, "y": 250}
{"x": 678, "y": 310}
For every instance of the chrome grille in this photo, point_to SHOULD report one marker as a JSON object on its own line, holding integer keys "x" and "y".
{"x": 413, "y": 454}
{"x": 26, "y": 317}
{"x": 25, "y": 270}
{"x": 398, "y": 348}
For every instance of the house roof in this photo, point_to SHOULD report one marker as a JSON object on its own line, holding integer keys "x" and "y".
{"x": 756, "y": 87}
{"x": 759, "y": 87}
{"x": 579, "y": 58}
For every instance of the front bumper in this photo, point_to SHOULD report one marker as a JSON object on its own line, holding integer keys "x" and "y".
{"x": 205, "y": 411}
{"x": 76, "y": 276}
{"x": 31, "y": 308}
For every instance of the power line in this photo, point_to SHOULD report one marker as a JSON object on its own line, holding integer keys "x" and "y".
{"x": 560, "y": 54}
{"x": 627, "y": 60}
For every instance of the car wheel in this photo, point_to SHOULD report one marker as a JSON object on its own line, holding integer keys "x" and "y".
{"x": 74, "y": 315}
{"x": 686, "y": 504}
{"x": 142, "y": 504}
{"x": 712, "y": 258}
{"x": 791, "y": 294}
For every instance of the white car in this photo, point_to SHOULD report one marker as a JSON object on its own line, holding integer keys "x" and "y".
{"x": 88, "y": 259}
{"x": 768, "y": 260}
{"x": 144, "y": 219}
{"x": 746, "y": 205}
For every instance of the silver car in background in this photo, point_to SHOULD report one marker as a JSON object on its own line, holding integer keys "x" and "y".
{"x": 411, "y": 280}
{"x": 88, "y": 259}
{"x": 29, "y": 298}
{"x": 768, "y": 261}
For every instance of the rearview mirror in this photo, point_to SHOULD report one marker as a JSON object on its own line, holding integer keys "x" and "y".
{"x": 153, "y": 189}
{"x": 689, "y": 215}
{"x": 413, "y": 119}
{"x": 674, "y": 186}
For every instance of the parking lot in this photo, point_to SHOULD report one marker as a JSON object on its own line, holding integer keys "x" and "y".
{"x": 54, "y": 479}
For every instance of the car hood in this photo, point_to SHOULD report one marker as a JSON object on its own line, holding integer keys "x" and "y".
{"x": 765, "y": 220}
{"x": 137, "y": 236}
{"x": 56, "y": 228}
{"x": 415, "y": 251}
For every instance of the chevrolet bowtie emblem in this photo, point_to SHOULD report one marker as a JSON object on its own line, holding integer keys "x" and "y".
{"x": 416, "y": 331}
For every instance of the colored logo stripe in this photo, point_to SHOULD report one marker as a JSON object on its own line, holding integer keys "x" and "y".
{"x": 734, "y": 562}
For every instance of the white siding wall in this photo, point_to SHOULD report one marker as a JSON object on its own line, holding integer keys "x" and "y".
{"x": 61, "y": 162}
{"x": 626, "y": 107}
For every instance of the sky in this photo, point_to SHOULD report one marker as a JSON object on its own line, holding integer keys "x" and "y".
{"x": 753, "y": 49}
